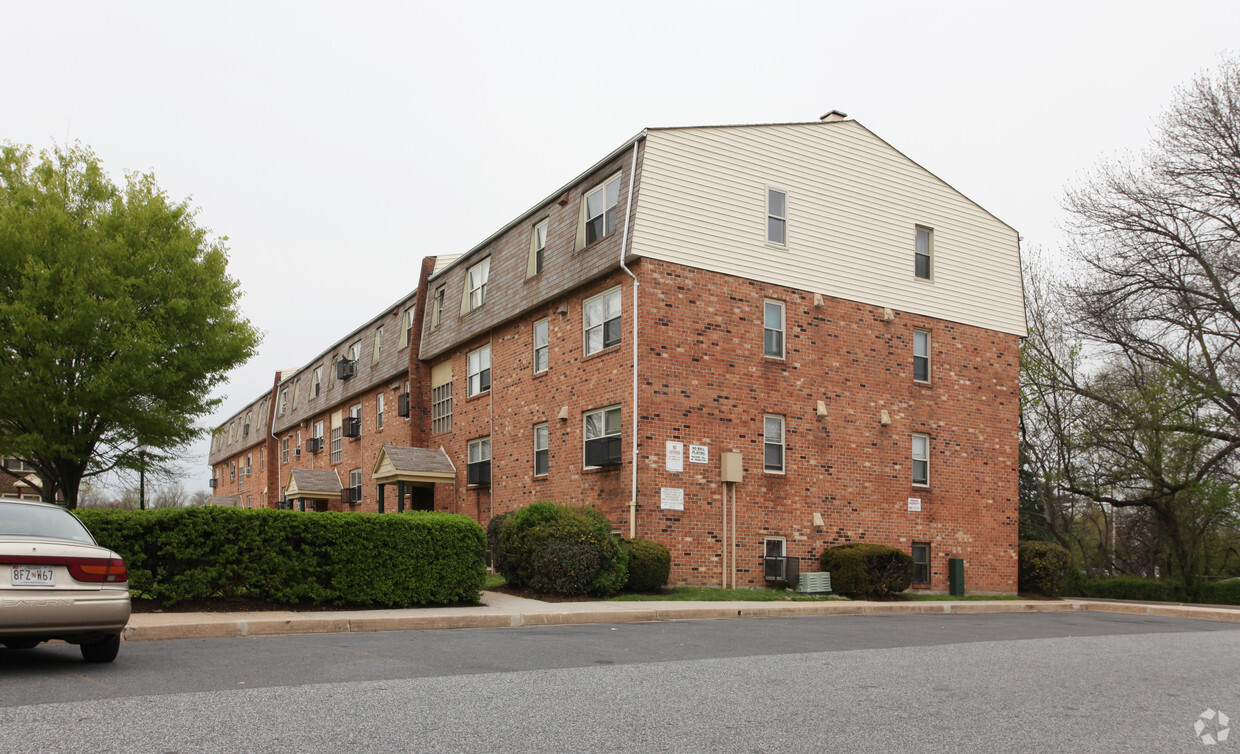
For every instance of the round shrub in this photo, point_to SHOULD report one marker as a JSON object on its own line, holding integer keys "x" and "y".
{"x": 861, "y": 569}
{"x": 562, "y": 549}
{"x": 650, "y": 563}
{"x": 1043, "y": 567}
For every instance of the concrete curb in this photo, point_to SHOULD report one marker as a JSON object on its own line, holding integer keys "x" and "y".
{"x": 512, "y": 612}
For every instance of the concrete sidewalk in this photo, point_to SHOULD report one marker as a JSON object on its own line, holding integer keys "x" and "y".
{"x": 504, "y": 611}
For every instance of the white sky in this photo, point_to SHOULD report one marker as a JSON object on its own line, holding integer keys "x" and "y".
{"x": 336, "y": 144}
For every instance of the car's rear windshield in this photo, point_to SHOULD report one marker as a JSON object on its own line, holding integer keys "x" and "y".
{"x": 19, "y": 520}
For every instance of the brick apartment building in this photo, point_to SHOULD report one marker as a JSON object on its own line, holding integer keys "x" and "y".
{"x": 796, "y": 319}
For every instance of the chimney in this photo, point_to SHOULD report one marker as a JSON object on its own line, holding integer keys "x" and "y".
{"x": 833, "y": 116}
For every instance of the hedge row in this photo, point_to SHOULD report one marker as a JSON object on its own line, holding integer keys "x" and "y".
{"x": 285, "y": 557}
{"x": 1156, "y": 590}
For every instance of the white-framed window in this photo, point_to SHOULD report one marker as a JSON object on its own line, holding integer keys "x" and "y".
{"x": 379, "y": 412}
{"x": 479, "y": 469}
{"x": 232, "y": 471}
{"x": 921, "y": 459}
{"x": 296, "y": 390}
{"x": 775, "y": 551}
{"x": 777, "y": 217}
{"x": 355, "y": 485}
{"x": 316, "y": 430}
{"x": 773, "y": 329}
{"x": 476, "y": 284}
{"x": 283, "y": 450}
{"x": 355, "y": 350}
{"x": 18, "y": 465}
{"x": 479, "y": 371}
{"x": 600, "y": 209}
{"x": 773, "y": 443}
{"x": 245, "y": 428}
{"x": 542, "y": 352}
{"x": 374, "y": 359}
{"x": 921, "y": 563}
{"x": 406, "y": 325}
{"x": 262, "y": 459}
{"x": 337, "y": 443}
{"x": 602, "y": 437}
{"x": 542, "y": 458}
{"x": 437, "y": 307}
{"x": 249, "y": 501}
{"x": 924, "y": 247}
{"x": 921, "y": 355}
{"x": 441, "y": 408}
{"x": 602, "y": 321}
{"x": 283, "y": 401}
{"x": 249, "y": 464}
{"x": 538, "y": 245}
{"x": 316, "y": 382}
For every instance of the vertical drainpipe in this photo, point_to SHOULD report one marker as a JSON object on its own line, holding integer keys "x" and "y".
{"x": 275, "y": 402}
{"x": 624, "y": 246}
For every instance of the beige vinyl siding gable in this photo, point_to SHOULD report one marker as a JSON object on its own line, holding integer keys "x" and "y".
{"x": 853, "y": 205}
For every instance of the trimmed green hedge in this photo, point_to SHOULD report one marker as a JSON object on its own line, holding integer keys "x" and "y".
{"x": 861, "y": 569}
{"x": 650, "y": 564}
{"x": 1131, "y": 588}
{"x": 286, "y": 557}
{"x": 559, "y": 549}
{"x": 1043, "y": 567}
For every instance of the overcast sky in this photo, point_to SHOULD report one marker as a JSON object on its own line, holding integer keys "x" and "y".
{"x": 336, "y": 144}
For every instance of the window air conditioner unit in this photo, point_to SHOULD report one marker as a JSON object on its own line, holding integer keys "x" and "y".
{"x": 478, "y": 473}
{"x": 212, "y": 483}
{"x": 296, "y": 452}
{"x": 603, "y": 451}
{"x": 402, "y": 404}
{"x": 345, "y": 369}
{"x": 314, "y": 444}
{"x": 352, "y": 427}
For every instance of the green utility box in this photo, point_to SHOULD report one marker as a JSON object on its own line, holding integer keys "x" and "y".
{"x": 955, "y": 576}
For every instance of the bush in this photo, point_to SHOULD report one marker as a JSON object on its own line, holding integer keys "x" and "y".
{"x": 285, "y": 557}
{"x": 861, "y": 569}
{"x": 1043, "y": 567}
{"x": 1221, "y": 592}
{"x": 561, "y": 549}
{"x": 650, "y": 564}
{"x": 1132, "y": 588}
{"x": 499, "y": 560}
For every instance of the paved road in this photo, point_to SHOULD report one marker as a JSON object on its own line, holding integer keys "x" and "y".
{"x": 1024, "y": 682}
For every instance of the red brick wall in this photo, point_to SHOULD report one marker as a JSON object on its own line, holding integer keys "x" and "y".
{"x": 705, "y": 381}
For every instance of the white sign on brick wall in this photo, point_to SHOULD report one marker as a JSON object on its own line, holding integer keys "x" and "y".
{"x": 699, "y": 454}
{"x": 672, "y": 498}
{"x": 914, "y": 504}
{"x": 675, "y": 456}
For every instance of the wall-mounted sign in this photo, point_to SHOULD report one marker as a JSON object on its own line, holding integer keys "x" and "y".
{"x": 914, "y": 504}
{"x": 699, "y": 454}
{"x": 675, "y": 456}
{"x": 672, "y": 498}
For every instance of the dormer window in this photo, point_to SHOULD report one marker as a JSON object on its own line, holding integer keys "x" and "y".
{"x": 599, "y": 210}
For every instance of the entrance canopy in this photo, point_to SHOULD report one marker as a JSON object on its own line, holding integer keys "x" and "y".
{"x": 312, "y": 484}
{"x": 412, "y": 465}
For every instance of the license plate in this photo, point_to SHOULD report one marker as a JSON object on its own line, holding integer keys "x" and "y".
{"x": 32, "y": 575}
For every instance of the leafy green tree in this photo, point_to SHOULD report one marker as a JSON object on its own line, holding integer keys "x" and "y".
{"x": 117, "y": 318}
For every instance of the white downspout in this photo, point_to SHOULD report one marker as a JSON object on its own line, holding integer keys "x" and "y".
{"x": 624, "y": 245}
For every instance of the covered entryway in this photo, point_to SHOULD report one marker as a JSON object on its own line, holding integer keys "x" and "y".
{"x": 413, "y": 472}
{"x": 312, "y": 489}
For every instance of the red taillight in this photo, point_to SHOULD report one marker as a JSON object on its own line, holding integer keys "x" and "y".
{"x": 110, "y": 570}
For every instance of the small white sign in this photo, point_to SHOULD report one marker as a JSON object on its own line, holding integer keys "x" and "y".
{"x": 699, "y": 454}
{"x": 914, "y": 504}
{"x": 672, "y": 498}
{"x": 675, "y": 456}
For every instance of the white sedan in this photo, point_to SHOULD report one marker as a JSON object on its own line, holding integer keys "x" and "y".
{"x": 56, "y": 583}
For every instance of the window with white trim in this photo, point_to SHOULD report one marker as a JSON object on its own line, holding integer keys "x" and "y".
{"x": 374, "y": 359}
{"x": 921, "y": 459}
{"x": 479, "y": 371}
{"x": 479, "y": 469}
{"x": 538, "y": 245}
{"x": 600, "y": 210}
{"x": 773, "y": 443}
{"x": 924, "y": 247}
{"x": 542, "y": 351}
{"x": 316, "y": 382}
{"x": 284, "y": 450}
{"x": 773, "y": 329}
{"x": 541, "y": 453}
{"x": 777, "y": 217}
{"x": 921, "y": 355}
{"x": 283, "y": 401}
{"x": 437, "y": 307}
{"x": 337, "y": 443}
{"x": 441, "y": 408}
{"x": 232, "y": 471}
{"x": 476, "y": 284}
{"x": 296, "y": 390}
{"x": 379, "y": 412}
{"x": 602, "y": 321}
{"x": 602, "y": 437}
{"x": 774, "y": 562}
{"x": 355, "y": 485}
{"x": 406, "y": 325}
